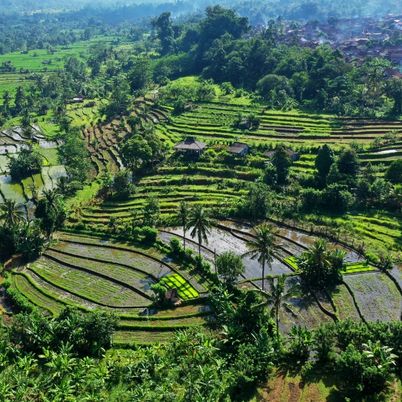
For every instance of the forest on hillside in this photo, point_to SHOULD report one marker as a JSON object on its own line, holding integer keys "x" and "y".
{"x": 200, "y": 207}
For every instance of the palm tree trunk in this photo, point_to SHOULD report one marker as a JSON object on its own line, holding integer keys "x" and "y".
{"x": 263, "y": 274}
{"x": 199, "y": 244}
{"x": 184, "y": 237}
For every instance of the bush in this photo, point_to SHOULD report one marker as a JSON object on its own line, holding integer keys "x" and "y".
{"x": 26, "y": 164}
{"x": 19, "y": 301}
{"x": 149, "y": 235}
{"x": 365, "y": 372}
{"x": 394, "y": 172}
{"x": 176, "y": 248}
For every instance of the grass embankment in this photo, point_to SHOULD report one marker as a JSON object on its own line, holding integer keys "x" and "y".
{"x": 350, "y": 268}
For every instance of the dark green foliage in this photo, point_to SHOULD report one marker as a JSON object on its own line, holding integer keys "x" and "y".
{"x": 324, "y": 161}
{"x": 218, "y": 22}
{"x": 51, "y": 211}
{"x": 336, "y": 199}
{"x": 320, "y": 267}
{"x": 139, "y": 76}
{"x": 394, "y": 91}
{"x": 394, "y": 172}
{"x": 119, "y": 99}
{"x": 269, "y": 176}
{"x": 141, "y": 151}
{"x": 27, "y": 163}
{"x": 298, "y": 347}
{"x": 367, "y": 371}
{"x": 29, "y": 240}
{"x": 163, "y": 25}
{"x": 333, "y": 199}
{"x": 74, "y": 156}
{"x": 151, "y": 212}
{"x": 122, "y": 186}
{"x": 200, "y": 223}
{"x": 257, "y": 204}
{"x": 88, "y": 334}
{"x": 49, "y": 357}
{"x": 229, "y": 266}
{"x": 159, "y": 296}
{"x": 18, "y": 236}
{"x": 348, "y": 162}
{"x": 282, "y": 163}
{"x": 150, "y": 235}
{"x": 20, "y": 302}
{"x": 247, "y": 122}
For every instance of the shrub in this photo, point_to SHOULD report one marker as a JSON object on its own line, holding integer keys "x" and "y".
{"x": 26, "y": 164}
{"x": 18, "y": 300}
{"x": 394, "y": 172}
{"x": 298, "y": 348}
{"x": 176, "y": 248}
{"x": 149, "y": 235}
{"x": 365, "y": 372}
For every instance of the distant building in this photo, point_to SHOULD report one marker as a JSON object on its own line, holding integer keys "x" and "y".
{"x": 190, "y": 146}
{"x": 294, "y": 156}
{"x": 238, "y": 149}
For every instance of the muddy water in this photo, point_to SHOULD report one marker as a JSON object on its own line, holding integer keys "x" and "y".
{"x": 396, "y": 272}
{"x": 302, "y": 239}
{"x": 222, "y": 240}
{"x": 386, "y": 152}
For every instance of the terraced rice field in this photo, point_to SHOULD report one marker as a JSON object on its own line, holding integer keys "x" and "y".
{"x": 213, "y": 121}
{"x": 90, "y": 273}
{"x": 303, "y": 310}
{"x": 379, "y": 231}
{"x": 11, "y": 142}
{"x": 376, "y": 296}
{"x": 216, "y": 184}
{"x": 103, "y": 140}
{"x": 232, "y": 236}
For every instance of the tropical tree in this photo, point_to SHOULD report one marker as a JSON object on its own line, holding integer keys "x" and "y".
{"x": 282, "y": 162}
{"x": 324, "y": 161}
{"x": 229, "y": 266}
{"x": 11, "y": 213}
{"x": 201, "y": 224}
{"x": 51, "y": 211}
{"x": 279, "y": 296}
{"x": 261, "y": 247}
{"x": 183, "y": 216}
{"x": 320, "y": 267}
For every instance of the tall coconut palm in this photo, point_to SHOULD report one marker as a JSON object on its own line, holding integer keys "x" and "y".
{"x": 183, "y": 216}
{"x": 11, "y": 213}
{"x": 279, "y": 296}
{"x": 262, "y": 246}
{"x": 201, "y": 224}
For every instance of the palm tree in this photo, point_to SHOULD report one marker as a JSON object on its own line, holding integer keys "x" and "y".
{"x": 279, "y": 296}
{"x": 320, "y": 267}
{"x": 261, "y": 247}
{"x": 183, "y": 217}
{"x": 201, "y": 223}
{"x": 51, "y": 197}
{"x": 11, "y": 213}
